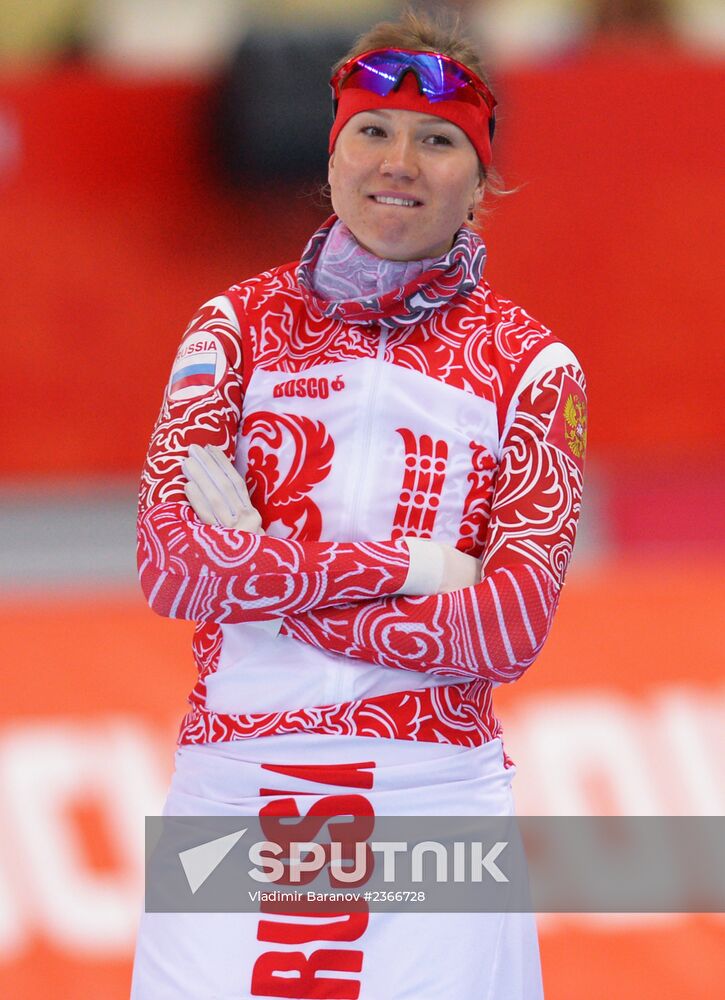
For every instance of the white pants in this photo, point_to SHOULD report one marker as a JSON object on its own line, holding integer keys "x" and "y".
{"x": 397, "y": 956}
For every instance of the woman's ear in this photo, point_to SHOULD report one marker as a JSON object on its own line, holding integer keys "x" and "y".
{"x": 476, "y": 198}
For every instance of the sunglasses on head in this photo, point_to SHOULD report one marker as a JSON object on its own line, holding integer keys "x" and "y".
{"x": 440, "y": 78}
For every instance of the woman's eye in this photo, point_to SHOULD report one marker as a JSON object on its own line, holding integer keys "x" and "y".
{"x": 372, "y": 130}
{"x": 439, "y": 140}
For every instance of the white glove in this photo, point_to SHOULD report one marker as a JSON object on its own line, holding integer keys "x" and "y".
{"x": 436, "y": 568}
{"x": 217, "y": 492}
{"x": 219, "y": 495}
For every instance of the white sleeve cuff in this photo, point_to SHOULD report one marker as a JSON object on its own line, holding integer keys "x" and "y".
{"x": 425, "y": 573}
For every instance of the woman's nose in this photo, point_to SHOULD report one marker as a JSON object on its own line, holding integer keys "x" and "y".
{"x": 400, "y": 159}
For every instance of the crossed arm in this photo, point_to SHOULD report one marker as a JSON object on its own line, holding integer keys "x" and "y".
{"x": 496, "y": 626}
{"x": 341, "y": 597}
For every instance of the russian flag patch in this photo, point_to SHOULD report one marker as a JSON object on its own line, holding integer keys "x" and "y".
{"x": 198, "y": 368}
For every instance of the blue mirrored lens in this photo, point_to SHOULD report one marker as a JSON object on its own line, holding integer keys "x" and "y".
{"x": 383, "y": 72}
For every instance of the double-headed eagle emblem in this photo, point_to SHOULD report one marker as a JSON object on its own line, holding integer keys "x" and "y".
{"x": 575, "y": 417}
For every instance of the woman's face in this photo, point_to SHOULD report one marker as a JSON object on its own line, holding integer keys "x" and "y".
{"x": 403, "y": 182}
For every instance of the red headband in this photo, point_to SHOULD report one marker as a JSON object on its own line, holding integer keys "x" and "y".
{"x": 473, "y": 119}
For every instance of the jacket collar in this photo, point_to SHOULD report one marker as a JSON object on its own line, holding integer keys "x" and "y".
{"x": 456, "y": 274}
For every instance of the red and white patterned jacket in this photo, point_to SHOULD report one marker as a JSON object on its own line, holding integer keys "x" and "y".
{"x": 439, "y": 411}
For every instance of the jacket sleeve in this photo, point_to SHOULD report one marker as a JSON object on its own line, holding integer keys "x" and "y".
{"x": 496, "y": 628}
{"x": 201, "y": 572}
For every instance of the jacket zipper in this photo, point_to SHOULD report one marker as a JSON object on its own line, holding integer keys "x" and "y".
{"x": 369, "y": 411}
{"x": 345, "y": 676}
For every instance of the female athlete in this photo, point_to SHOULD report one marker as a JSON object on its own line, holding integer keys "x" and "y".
{"x": 363, "y": 487}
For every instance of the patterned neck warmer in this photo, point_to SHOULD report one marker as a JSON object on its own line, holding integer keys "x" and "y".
{"x": 346, "y": 272}
{"x": 341, "y": 280}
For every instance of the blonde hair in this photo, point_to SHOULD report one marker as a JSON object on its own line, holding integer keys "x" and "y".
{"x": 422, "y": 33}
{"x": 443, "y": 34}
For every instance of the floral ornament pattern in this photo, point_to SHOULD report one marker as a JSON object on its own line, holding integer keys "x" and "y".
{"x": 520, "y": 503}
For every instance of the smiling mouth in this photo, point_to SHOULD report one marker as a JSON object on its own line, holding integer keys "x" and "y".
{"x": 400, "y": 202}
